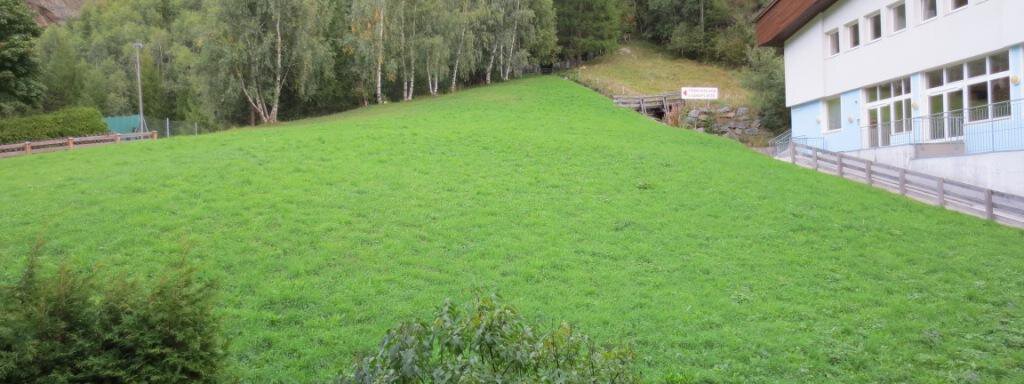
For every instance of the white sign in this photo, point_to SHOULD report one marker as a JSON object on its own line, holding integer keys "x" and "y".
{"x": 700, "y": 93}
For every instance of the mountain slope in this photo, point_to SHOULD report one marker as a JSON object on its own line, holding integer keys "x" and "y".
{"x": 55, "y": 11}
{"x": 713, "y": 261}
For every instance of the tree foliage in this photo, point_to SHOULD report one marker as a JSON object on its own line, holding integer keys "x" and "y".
{"x": 67, "y": 327}
{"x": 589, "y": 28}
{"x": 766, "y": 80}
{"x": 20, "y": 89}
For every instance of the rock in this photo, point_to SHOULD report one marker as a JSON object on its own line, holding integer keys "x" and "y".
{"x": 725, "y": 110}
{"x": 751, "y": 131}
{"x": 742, "y": 111}
{"x": 694, "y": 113}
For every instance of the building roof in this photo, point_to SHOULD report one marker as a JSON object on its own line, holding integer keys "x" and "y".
{"x": 780, "y": 19}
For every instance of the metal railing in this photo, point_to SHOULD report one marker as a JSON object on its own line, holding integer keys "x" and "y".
{"x": 988, "y": 128}
{"x": 780, "y": 144}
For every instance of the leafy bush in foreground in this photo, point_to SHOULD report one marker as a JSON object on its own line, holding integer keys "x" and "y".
{"x": 71, "y": 122}
{"x": 66, "y": 328}
{"x": 489, "y": 343}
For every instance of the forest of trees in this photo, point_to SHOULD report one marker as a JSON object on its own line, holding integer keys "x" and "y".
{"x": 223, "y": 62}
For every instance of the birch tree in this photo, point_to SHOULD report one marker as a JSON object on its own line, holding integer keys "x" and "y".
{"x": 369, "y": 23}
{"x": 463, "y": 37}
{"x": 262, "y": 45}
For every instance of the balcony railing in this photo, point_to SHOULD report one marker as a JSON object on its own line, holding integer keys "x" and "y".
{"x": 989, "y": 128}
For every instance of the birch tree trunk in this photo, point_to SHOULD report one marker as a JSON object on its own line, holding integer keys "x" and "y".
{"x": 380, "y": 51}
{"x": 458, "y": 58}
{"x": 490, "y": 64}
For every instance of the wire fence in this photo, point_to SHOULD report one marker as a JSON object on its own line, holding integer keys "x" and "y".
{"x": 167, "y": 128}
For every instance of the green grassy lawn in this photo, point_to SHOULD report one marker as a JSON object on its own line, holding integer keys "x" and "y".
{"x": 712, "y": 260}
{"x": 641, "y": 68}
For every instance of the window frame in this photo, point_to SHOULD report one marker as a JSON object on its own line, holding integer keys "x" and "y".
{"x": 853, "y": 37}
{"x": 967, "y": 114}
{"x": 831, "y": 37}
{"x": 923, "y": 7}
{"x": 870, "y": 20}
{"x": 893, "y": 17}
{"x": 954, "y": 8}
{"x": 902, "y": 100}
{"x": 827, "y": 127}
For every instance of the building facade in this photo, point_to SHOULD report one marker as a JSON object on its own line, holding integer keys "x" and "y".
{"x": 902, "y": 80}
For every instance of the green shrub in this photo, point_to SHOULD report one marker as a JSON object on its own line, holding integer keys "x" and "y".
{"x": 489, "y": 343}
{"x": 67, "y": 328}
{"x": 71, "y": 122}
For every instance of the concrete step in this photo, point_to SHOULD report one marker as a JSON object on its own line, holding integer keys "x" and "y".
{"x": 930, "y": 150}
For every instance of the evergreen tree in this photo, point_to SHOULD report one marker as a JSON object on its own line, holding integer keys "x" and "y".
{"x": 588, "y": 28}
{"x": 20, "y": 89}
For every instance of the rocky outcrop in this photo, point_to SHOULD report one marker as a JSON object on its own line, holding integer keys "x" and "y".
{"x": 724, "y": 121}
{"x": 54, "y": 11}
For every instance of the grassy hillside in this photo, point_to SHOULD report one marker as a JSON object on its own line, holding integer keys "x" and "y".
{"x": 713, "y": 261}
{"x": 643, "y": 69}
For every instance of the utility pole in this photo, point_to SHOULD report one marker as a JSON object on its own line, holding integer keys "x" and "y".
{"x": 138, "y": 78}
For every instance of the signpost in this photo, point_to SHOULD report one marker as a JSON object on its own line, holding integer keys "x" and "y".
{"x": 699, "y": 93}
{"x": 691, "y": 93}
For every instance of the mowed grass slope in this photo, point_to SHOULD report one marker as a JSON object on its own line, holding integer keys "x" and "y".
{"x": 713, "y": 261}
{"x": 641, "y": 68}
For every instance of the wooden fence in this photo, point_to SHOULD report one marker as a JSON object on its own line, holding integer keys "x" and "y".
{"x": 997, "y": 206}
{"x": 27, "y": 148}
{"x": 644, "y": 103}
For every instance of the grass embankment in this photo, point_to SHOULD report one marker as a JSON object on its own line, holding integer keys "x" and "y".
{"x": 641, "y": 68}
{"x": 712, "y": 260}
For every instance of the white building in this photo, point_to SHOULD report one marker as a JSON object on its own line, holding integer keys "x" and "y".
{"x": 929, "y": 85}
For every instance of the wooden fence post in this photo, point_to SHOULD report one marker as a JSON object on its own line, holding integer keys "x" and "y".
{"x": 903, "y": 181}
{"x": 867, "y": 173}
{"x": 990, "y": 212}
{"x": 152, "y": 135}
{"x": 792, "y": 152}
{"x": 117, "y": 139}
{"x": 839, "y": 163}
{"x": 71, "y": 143}
{"x": 28, "y": 147}
{"x": 942, "y": 192}
{"x": 814, "y": 153}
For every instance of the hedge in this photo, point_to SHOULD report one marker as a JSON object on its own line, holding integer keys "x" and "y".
{"x": 71, "y": 122}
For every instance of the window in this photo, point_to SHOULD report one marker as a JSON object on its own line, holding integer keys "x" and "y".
{"x": 889, "y": 110}
{"x": 954, "y": 73}
{"x": 833, "y": 42}
{"x": 854, "y": 32}
{"x": 834, "y": 108}
{"x": 1000, "y": 62}
{"x": 976, "y": 68}
{"x": 899, "y": 17}
{"x": 957, "y": 4}
{"x": 929, "y": 9}
{"x": 977, "y": 100}
{"x": 974, "y": 91}
{"x": 934, "y": 78}
{"x": 875, "y": 26}
{"x": 1000, "y": 94}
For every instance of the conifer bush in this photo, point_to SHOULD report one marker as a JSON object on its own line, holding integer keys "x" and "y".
{"x": 67, "y": 327}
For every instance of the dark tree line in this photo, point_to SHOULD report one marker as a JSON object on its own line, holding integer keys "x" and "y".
{"x": 239, "y": 61}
